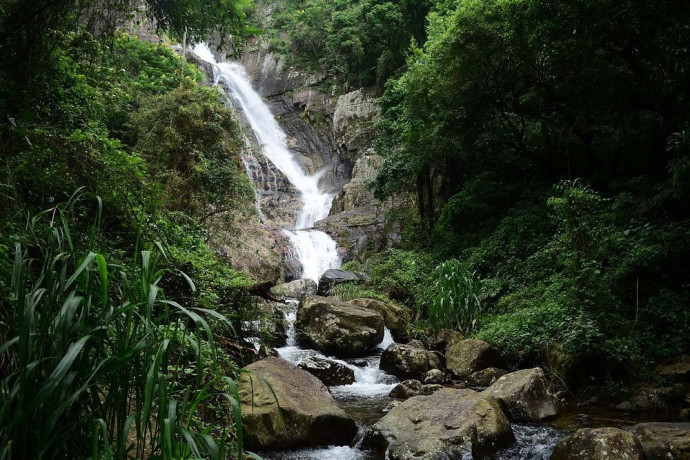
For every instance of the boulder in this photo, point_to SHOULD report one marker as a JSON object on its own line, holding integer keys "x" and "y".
{"x": 415, "y": 343}
{"x": 408, "y": 361}
{"x": 524, "y": 395}
{"x": 266, "y": 350}
{"x": 466, "y": 357}
{"x": 663, "y": 440}
{"x": 330, "y": 372}
{"x": 268, "y": 324}
{"x": 598, "y": 444}
{"x": 410, "y": 388}
{"x": 333, "y": 277}
{"x": 303, "y": 415}
{"x": 445, "y": 338}
{"x": 679, "y": 371}
{"x": 435, "y": 376}
{"x": 626, "y": 406}
{"x": 295, "y": 289}
{"x": 337, "y": 328}
{"x": 395, "y": 317}
{"x": 449, "y": 423}
{"x": 485, "y": 377}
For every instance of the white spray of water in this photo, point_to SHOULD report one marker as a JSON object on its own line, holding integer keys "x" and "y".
{"x": 315, "y": 250}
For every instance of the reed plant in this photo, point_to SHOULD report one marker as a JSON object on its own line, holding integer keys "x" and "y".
{"x": 455, "y": 297}
{"x": 89, "y": 366}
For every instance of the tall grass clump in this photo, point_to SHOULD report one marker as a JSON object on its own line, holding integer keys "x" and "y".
{"x": 91, "y": 361}
{"x": 455, "y": 297}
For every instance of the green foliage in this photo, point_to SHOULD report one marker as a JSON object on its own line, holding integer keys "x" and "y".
{"x": 455, "y": 298}
{"x": 350, "y": 291}
{"x": 189, "y": 141}
{"x": 32, "y": 36}
{"x": 358, "y": 43}
{"x": 199, "y": 19}
{"x": 99, "y": 345}
{"x": 504, "y": 101}
{"x": 524, "y": 334}
{"x": 400, "y": 275}
{"x": 146, "y": 372}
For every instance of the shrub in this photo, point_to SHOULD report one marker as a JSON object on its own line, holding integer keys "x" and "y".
{"x": 455, "y": 297}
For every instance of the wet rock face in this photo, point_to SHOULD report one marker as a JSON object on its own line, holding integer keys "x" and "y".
{"x": 447, "y": 424}
{"x": 524, "y": 395}
{"x": 466, "y": 357}
{"x": 304, "y": 112}
{"x": 598, "y": 444}
{"x": 279, "y": 200}
{"x": 360, "y": 231}
{"x": 357, "y": 193}
{"x": 664, "y": 440}
{"x": 305, "y": 414}
{"x": 337, "y": 328}
{"x": 408, "y": 362}
{"x": 353, "y": 122}
{"x": 395, "y": 317}
{"x": 269, "y": 72}
{"x": 330, "y": 372}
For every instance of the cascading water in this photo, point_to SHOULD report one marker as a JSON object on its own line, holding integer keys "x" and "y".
{"x": 315, "y": 249}
{"x": 367, "y": 397}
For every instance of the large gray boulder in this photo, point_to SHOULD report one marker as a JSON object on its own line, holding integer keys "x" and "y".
{"x": 303, "y": 415}
{"x": 396, "y": 318}
{"x": 663, "y": 440}
{"x": 337, "y": 328}
{"x": 465, "y": 357}
{"x": 447, "y": 424}
{"x": 598, "y": 444}
{"x": 524, "y": 395}
{"x": 408, "y": 361}
{"x": 333, "y": 277}
{"x": 330, "y": 372}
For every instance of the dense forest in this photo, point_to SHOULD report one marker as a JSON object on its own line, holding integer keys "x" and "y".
{"x": 546, "y": 145}
{"x": 543, "y": 147}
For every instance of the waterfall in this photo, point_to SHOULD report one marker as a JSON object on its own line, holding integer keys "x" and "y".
{"x": 316, "y": 251}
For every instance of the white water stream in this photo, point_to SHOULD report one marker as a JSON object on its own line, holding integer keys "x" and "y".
{"x": 316, "y": 251}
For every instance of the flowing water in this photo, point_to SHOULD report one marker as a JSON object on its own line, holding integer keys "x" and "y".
{"x": 314, "y": 249}
{"x": 366, "y": 399}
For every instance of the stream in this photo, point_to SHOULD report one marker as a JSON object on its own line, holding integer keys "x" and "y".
{"x": 367, "y": 398}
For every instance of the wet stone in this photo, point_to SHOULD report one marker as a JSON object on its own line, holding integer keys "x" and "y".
{"x": 331, "y": 373}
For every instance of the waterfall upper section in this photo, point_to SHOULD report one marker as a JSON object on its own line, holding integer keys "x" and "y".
{"x": 316, "y": 251}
